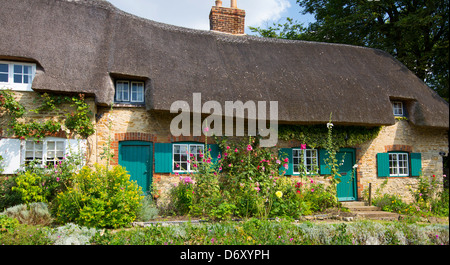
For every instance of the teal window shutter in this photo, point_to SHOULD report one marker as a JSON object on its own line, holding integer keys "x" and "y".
{"x": 323, "y": 166}
{"x": 383, "y": 164}
{"x": 282, "y": 154}
{"x": 416, "y": 164}
{"x": 215, "y": 151}
{"x": 163, "y": 157}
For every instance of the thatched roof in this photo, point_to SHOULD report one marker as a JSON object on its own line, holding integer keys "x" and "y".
{"x": 81, "y": 45}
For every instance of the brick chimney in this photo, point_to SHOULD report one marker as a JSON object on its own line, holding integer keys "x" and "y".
{"x": 228, "y": 20}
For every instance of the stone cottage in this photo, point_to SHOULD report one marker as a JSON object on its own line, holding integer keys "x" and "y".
{"x": 131, "y": 70}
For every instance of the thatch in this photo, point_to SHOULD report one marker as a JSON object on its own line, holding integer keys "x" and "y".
{"x": 81, "y": 45}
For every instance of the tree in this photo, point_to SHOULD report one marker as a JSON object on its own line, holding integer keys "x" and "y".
{"x": 416, "y": 32}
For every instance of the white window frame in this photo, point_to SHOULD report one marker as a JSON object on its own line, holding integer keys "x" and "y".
{"x": 308, "y": 166}
{"x": 397, "y": 108}
{"x": 119, "y": 98}
{"x": 10, "y": 84}
{"x": 45, "y": 160}
{"x": 398, "y": 162}
{"x": 189, "y": 158}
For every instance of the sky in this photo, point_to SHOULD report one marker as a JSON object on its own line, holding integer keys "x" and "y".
{"x": 195, "y": 13}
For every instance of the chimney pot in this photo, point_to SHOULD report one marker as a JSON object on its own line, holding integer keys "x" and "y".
{"x": 233, "y": 4}
{"x": 218, "y": 3}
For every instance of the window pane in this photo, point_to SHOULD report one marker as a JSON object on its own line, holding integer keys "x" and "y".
{"x": 38, "y": 155}
{"x": 60, "y": 146}
{"x": 176, "y": 157}
{"x": 50, "y": 145}
{"x": 176, "y": 148}
{"x": 183, "y": 149}
{"x": 3, "y": 77}
{"x": 3, "y": 68}
{"x": 29, "y": 145}
{"x": 18, "y": 69}
{"x": 18, "y": 79}
{"x": 38, "y": 146}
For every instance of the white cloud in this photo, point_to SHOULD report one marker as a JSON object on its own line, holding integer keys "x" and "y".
{"x": 195, "y": 13}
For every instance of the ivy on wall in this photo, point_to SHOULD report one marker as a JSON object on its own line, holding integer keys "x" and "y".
{"x": 78, "y": 122}
{"x": 315, "y": 136}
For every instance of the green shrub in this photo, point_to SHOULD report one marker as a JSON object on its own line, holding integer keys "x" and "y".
{"x": 31, "y": 187}
{"x": 99, "y": 198}
{"x": 320, "y": 197}
{"x": 181, "y": 195}
{"x": 148, "y": 210}
{"x": 7, "y": 223}
{"x": 34, "y": 214}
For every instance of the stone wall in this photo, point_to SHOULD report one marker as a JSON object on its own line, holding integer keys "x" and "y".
{"x": 401, "y": 137}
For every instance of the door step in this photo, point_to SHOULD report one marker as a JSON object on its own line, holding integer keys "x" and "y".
{"x": 362, "y": 210}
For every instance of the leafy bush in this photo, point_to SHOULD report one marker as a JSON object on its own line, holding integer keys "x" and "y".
{"x": 148, "y": 210}
{"x": 34, "y": 214}
{"x": 181, "y": 195}
{"x": 99, "y": 198}
{"x": 36, "y": 183}
{"x": 320, "y": 197}
{"x": 7, "y": 223}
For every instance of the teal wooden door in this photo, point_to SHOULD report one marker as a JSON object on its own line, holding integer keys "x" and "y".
{"x": 346, "y": 188}
{"x": 136, "y": 158}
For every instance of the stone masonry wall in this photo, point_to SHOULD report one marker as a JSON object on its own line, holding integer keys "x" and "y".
{"x": 401, "y": 137}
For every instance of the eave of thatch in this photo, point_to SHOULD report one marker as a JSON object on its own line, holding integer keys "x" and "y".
{"x": 80, "y": 46}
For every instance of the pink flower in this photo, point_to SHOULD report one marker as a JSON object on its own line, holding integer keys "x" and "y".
{"x": 286, "y": 166}
{"x": 278, "y": 161}
{"x": 220, "y": 168}
{"x": 208, "y": 160}
{"x": 235, "y": 150}
{"x": 249, "y": 148}
{"x": 219, "y": 156}
{"x": 228, "y": 147}
{"x": 229, "y": 165}
{"x": 303, "y": 146}
{"x": 206, "y": 129}
{"x": 286, "y": 160}
{"x": 312, "y": 181}
{"x": 312, "y": 190}
{"x": 57, "y": 179}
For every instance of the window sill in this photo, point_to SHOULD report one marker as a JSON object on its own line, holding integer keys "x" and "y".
{"x": 124, "y": 105}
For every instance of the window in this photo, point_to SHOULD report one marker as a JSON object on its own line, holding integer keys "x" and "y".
{"x": 183, "y": 154}
{"x": 47, "y": 152}
{"x": 306, "y": 158}
{"x": 398, "y": 108}
{"x": 129, "y": 92}
{"x": 17, "y": 76}
{"x": 398, "y": 164}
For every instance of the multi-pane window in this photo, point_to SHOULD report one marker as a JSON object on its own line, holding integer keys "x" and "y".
{"x": 47, "y": 152}
{"x": 398, "y": 164}
{"x": 55, "y": 152}
{"x": 16, "y": 75}
{"x": 34, "y": 151}
{"x": 129, "y": 92}
{"x": 184, "y": 154}
{"x": 397, "y": 107}
{"x": 304, "y": 158}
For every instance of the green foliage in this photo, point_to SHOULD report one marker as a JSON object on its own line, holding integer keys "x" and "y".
{"x": 316, "y": 136}
{"x": 26, "y": 235}
{"x": 148, "y": 210}
{"x": 34, "y": 214}
{"x": 7, "y": 223}
{"x": 31, "y": 187}
{"x": 181, "y": 195}
{"x": 320, "y": 197}
{"x": 281, "y": 232}
{"x": 78, "y": 122}
{"x": 99, "y": 198}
